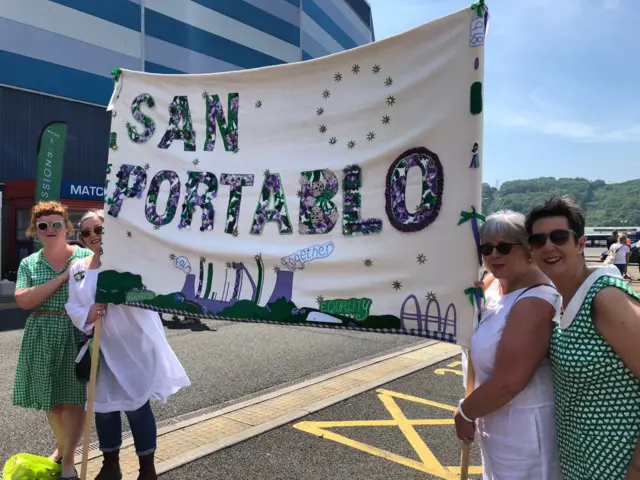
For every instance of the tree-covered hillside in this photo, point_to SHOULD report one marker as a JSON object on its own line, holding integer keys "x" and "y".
{"x": 610, "y": 204}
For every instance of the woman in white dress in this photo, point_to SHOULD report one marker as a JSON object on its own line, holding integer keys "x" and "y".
{"x": 136, "y": 362}
{"x": 511, "y": 409}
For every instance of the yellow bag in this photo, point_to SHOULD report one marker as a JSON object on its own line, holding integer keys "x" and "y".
{"x": 30, "y": 467}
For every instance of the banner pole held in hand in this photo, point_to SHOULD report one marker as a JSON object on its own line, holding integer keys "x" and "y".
{"x": 466, "y": 449}
{"x": 86, "y": 437}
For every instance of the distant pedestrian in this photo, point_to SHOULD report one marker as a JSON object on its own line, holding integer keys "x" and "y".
{"x": 611, "y": 239}
{"x": 512, "y": 405}
{"x": 621, "y": 253}
{"x": 137, "y": 364}
{"x": 46, "y": 377}
{"x": 594, "y": 350}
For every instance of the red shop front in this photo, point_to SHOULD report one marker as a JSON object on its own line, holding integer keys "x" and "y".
{"x": 19, "y": 196}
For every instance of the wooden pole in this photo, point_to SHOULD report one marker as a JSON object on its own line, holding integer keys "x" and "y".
{"x": 86, "y": 437}
{"x": 466, "y": 449}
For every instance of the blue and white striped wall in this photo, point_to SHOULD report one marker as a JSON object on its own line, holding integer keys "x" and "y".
{"x": 67, "y": 48}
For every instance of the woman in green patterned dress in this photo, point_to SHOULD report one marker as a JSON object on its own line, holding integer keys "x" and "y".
{"x": 46, "y": 378}
{"x": 595, "y": 350}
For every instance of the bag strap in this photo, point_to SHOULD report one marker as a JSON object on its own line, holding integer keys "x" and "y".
{"x": 532, "y": 287}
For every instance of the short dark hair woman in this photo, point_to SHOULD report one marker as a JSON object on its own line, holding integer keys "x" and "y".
{"x": 594, "y": 351}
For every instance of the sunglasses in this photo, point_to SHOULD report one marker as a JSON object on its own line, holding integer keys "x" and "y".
{"x": 557, "y": 237}
{"x": 503, "y": 248}
{"x": 57, "y": 225}
{"x": 98, "y": 230}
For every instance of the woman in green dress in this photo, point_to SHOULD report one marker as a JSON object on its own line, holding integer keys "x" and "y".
{"x": 595, "y": 350}
{"x": 46, "y": 378}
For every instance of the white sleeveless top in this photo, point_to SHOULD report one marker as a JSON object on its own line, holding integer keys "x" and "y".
{"x": 519, "y": 440}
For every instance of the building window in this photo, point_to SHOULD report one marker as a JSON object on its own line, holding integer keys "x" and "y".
{"x": 23, "y": 217}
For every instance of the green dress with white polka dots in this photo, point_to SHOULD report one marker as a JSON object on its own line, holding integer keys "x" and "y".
{"x": 46, "y": 374}
{"x": 597, "y": 397}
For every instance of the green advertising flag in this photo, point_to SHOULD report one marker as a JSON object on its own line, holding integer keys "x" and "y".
{"x": 49, "y": 164}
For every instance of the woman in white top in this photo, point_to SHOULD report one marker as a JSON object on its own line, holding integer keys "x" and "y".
{"x": 622, "y": 252}
{"x": 136, "y": 362}
{"x": 511, "y": 408}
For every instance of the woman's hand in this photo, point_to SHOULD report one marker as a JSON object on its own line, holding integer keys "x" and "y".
{"x": 64, "y": 276}
{"x": 465, "y": 431}
{"x": 96, "y": 311}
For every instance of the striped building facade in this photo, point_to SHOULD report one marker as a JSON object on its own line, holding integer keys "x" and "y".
{"x": 56, "y": 59}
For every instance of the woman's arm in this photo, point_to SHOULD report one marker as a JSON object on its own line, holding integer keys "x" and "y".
{"x": 27, "y": 296}
{"x": 616, "y": 316}
{"x": 523, "y": 346}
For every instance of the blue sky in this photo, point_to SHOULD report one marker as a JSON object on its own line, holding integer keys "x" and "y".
{"x": 562, "y": 84}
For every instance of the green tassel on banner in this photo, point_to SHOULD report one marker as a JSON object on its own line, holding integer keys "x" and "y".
{"x": 479, "y": 7}
{"x": 115, "y": 74}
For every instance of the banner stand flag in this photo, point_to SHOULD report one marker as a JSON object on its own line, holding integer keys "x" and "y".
{"x": 340, "y": 192}
{"x": 49, "y": 163}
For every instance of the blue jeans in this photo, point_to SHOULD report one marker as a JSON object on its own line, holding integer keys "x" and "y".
{"x": 143, "y": 429}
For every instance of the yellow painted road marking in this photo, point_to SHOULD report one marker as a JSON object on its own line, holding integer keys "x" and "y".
{"x": 449, "y": 369}
{"x": 428, "y": 462}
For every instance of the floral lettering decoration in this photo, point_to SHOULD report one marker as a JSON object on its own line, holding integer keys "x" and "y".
{"x": 318, "y": 214}
{"x": 145, "y": 120}
{"x": 352, "y": 224}
{"x": 151, "y": 208}
{"x": 272, "y": 186}
{"x": 193, "y": 199}
{"x": 431, "y": 198}
{"x": 228, "y": 131}
{"x": 236, "y": 181}
{"x": 123, "y": 190}
{"x": 179, "y": 113}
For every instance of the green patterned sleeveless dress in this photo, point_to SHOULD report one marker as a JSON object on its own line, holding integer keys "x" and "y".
{"x": 597, "y": 397}
{"x": 46, "y": 374}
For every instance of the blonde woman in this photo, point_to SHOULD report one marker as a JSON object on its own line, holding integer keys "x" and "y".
{"x": 511, "y": 409}
{"x": 46, "y": 378}
{"x": 137, "y": 364}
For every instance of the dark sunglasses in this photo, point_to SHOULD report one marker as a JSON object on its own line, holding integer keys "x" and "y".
{"x": 57, "y": 225}
{"x": 98, "y": 230}
{"x": 503, "y": 248}
{"x": 557, "y": 237}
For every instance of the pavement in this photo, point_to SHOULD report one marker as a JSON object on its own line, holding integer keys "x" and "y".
{"x": 400, "y": 430}
{"x": 198, "y": 437}
{"x": 227, "y": 362}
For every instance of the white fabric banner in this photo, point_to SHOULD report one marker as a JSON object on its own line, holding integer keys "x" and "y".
{"x": 332, "y": 192}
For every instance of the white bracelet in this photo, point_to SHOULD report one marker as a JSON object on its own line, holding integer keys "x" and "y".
{"x": 462, "y": 413}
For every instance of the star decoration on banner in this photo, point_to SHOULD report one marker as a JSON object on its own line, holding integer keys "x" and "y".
{"x": 388, "y": 82}
{"x": 371, "y": 136}
{"x": 386, "y": 120}
{"x": 421, "y": 259}
{"x": 128, "y": 125}
{"x": 391, "y": 100}
{"x": 430, "y": 296}
{"x": 319, "y": 299}
{"x": 172, "y": 256}
{"x": 229, "y": 265}
{"x": 355, "y": 69}
{"x": 114, "y": 148}
{"x": 368, "y": 262}
{"x": 376, "y": 69}
{"x": 319, "y": 111}
{"x": 203, "y": 260}
{"x": 195, "y": 162}
{"x": 326, "y": 94}
{"x": 114, "y": 114}
{"x": 299, "y": 193}
{"x": 156, "y": 227}
{"x": 147, "y": 166}
{"x": 258, "y": 104}
{"x": 397, "y": 285}
{"x": 236, "y": 233}
{"x": 351, "y": 144}
{"x": 129, "y": 234}
{"x": 333, "y": 141}
{"x": 337, "y": 77}
{"x": 205, "y": 94}
{"x": 322, "y": 128}
{"x": 258, "y": 257}
{"x": 267, "y": 172}
{"x": 276, "y": 269}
